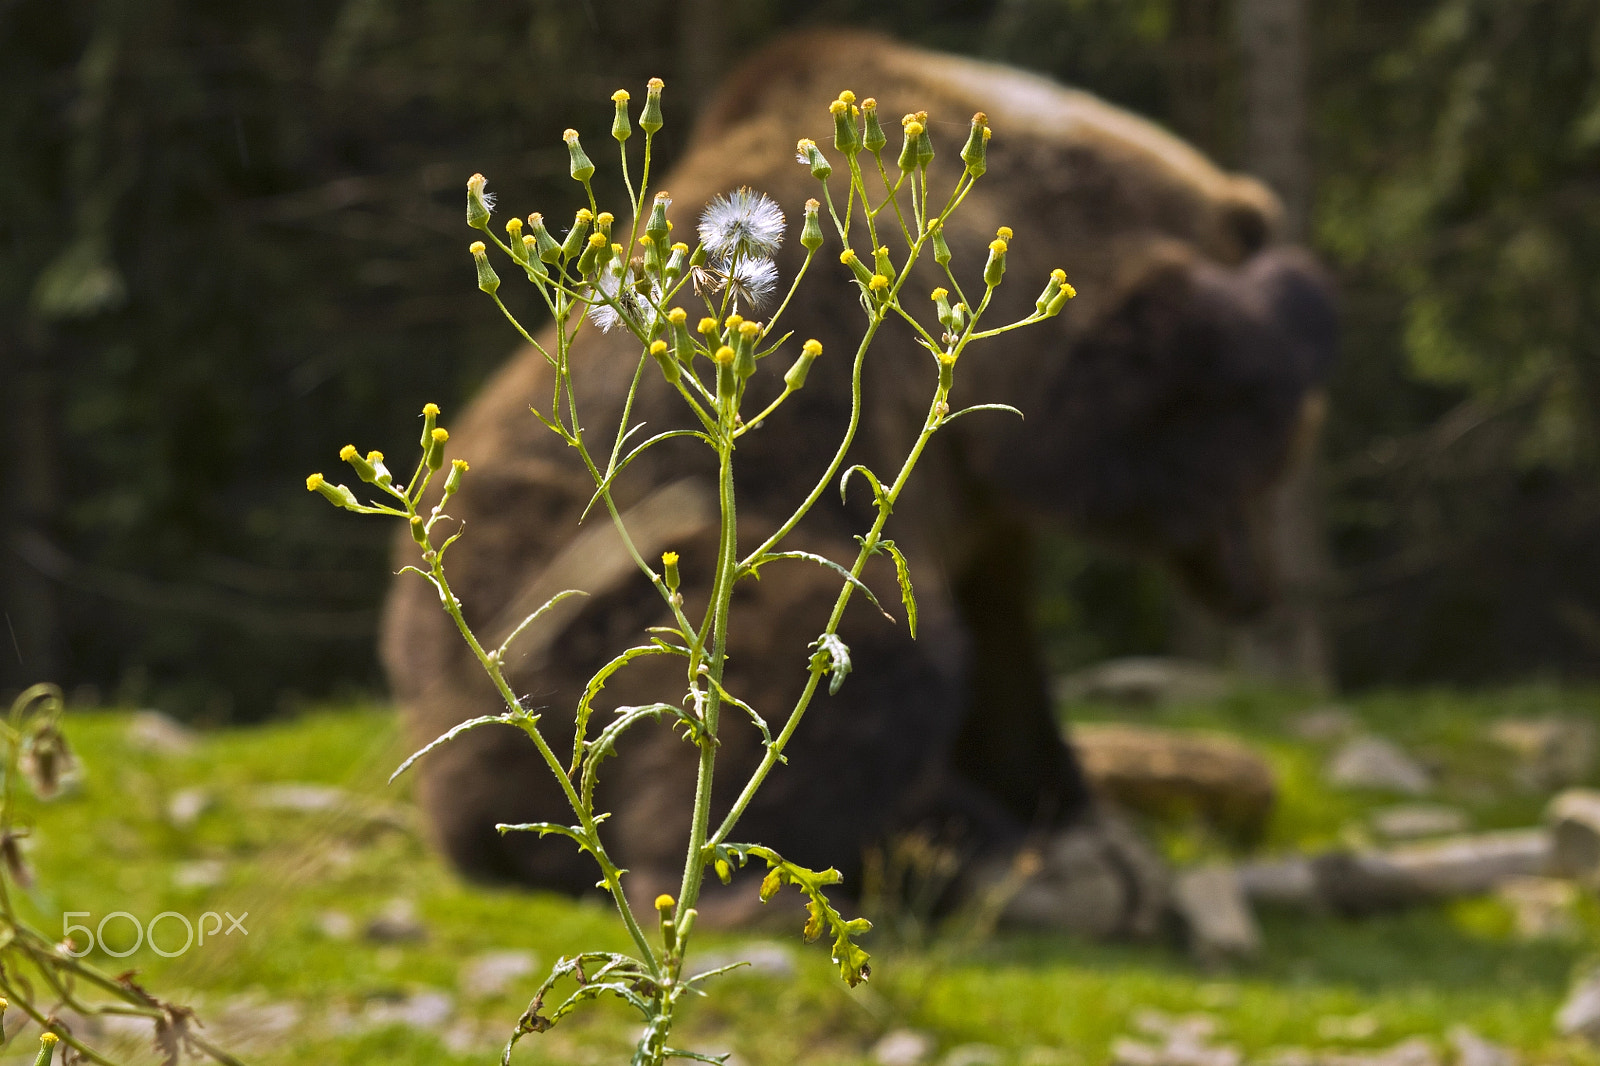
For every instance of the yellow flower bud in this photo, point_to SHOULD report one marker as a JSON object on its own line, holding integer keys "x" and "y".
{"x": 575, "y": 236}
{"x": 435, "y": 453}
{"x": 488, "y": 280}
{"x": 811, "y": 232}
{"x": 549, "y": 251}
{"x": 650, "y": 119}
{"x": 479, "y": 203}
{"x": 974, "y": 155}
{"x": 620, "y": 128}
{"x": 430, "y": 416}
{"x": 795, "y": 377}
{"x": 669, "y": 366}
{"x": 452, "y": 483}
{"x": 874, "y": 139}
{"x": 363, "y": 467}
{"x": 579, "y": 166}
{"x": 995, "y": 268}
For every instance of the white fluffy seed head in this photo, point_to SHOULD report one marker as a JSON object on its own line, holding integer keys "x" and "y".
{"x": 742, "y": 225}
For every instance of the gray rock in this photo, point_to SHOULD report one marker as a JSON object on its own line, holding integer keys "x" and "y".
{"x": 1473, "y": 1050}
{"x": 473, "y": 1037}
{"x": 1574, "y": 821}
{"x": 1097, "y": 879}
{"x": 1416, "y": 1051}
{"x": 428, "y": 1009}
{"x": 903, "y": 1047}
{"x": 973, "y": 1055}
{"x": 1409, "y": 821}
{"x": 1290, "y": 881}
{"x": 185, "y": 806}
{"x": 493, "y": 973}
{"x": 1347, "y": 1027}
{"x": 1542, "y": 908}
{"x": 336, "y": 925}
{"x": 1322, "y": 724}
{"x": 1178, "y": 1041}
{"x": 302, "y": 798}
{"x": 203, "y": 873}
{"x": 762, "y": 958}
{"x": 1144, "y": 680}
{"x": 1375, "y": 763}
{"x": 397, "y": 924}
{"x": 250, "y": 1019}
{"x": 1550, "y": 752}
{"x": 1580, "y": 1014}
{"x": 1212, "y": 902}
{"x": 160, "y": 734}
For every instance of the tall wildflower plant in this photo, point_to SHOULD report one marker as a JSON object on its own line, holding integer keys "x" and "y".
{"x": 42, "y": 978}
{"x": 605, "y": 275}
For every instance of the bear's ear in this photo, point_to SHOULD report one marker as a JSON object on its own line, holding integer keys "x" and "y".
{"x": 1296, "y": 295}
{"x": 1250, "y": 218}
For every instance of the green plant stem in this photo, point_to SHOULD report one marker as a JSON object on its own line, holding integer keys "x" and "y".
{"x": 727, "y": 560}
{"x": 869, "y": 547}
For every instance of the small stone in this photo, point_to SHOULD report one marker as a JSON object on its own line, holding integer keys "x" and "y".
{"x": 1375, "y": 763}
{"x": 468, "y": 1037}
{"x": 429, "y": 1009}
{"x": 1410, "y": 821}
{"x": 1143, "y": 681}
{"x": 763, "y": 958}
{"x": 185, "y": 806}
{"x": 903, "y": 1047}
{"x": 1213, "y": 905}
{"x": 1474, "y": 1050}
{"x": 1543, "y": 908}
{"x": 397, "y": 924}
{"x": 203, "y": 873}
{"x": 248, "y": 1018}
{"x": 1580, "y": 1014}
{"x": 1347, "y": 1027}
{"x": 1574, "y": 821}
{"x": 302, "y": 798}
{"x": 1416, "y": 1051}
{"x": 973, "y": 1055}
{"x": 1126, "y": 1051}
{"x": 492, "y": 974}
{"x": 1322, "y": 724}
{"x": 160, "y": 734}
{"x": 1286, "y": 882}
{"x": 1551, "y": 752}
{"x": 336, "y": 925}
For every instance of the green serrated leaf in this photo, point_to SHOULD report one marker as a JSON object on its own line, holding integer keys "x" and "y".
{"x": 902, "y": 573}
{"x": 833, "y": 656}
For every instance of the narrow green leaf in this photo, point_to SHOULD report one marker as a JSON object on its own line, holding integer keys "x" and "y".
{"x": 902, "y": 573}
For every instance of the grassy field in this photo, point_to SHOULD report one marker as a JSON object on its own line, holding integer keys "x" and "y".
{"x": 206, "y": 830}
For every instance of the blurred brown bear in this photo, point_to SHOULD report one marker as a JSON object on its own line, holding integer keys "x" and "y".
{"x": 1161, "y": 407}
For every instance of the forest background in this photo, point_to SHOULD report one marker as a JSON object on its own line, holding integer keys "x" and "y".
{"x": 230, "y": 238}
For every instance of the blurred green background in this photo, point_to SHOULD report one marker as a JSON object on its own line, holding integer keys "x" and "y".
{"x": 231, "y": 240}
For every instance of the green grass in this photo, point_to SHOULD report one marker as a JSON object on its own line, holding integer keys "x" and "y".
{"x": 110, "y": 846}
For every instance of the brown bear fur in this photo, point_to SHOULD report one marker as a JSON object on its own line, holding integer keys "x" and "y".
{"x": 1160, "y": 408}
